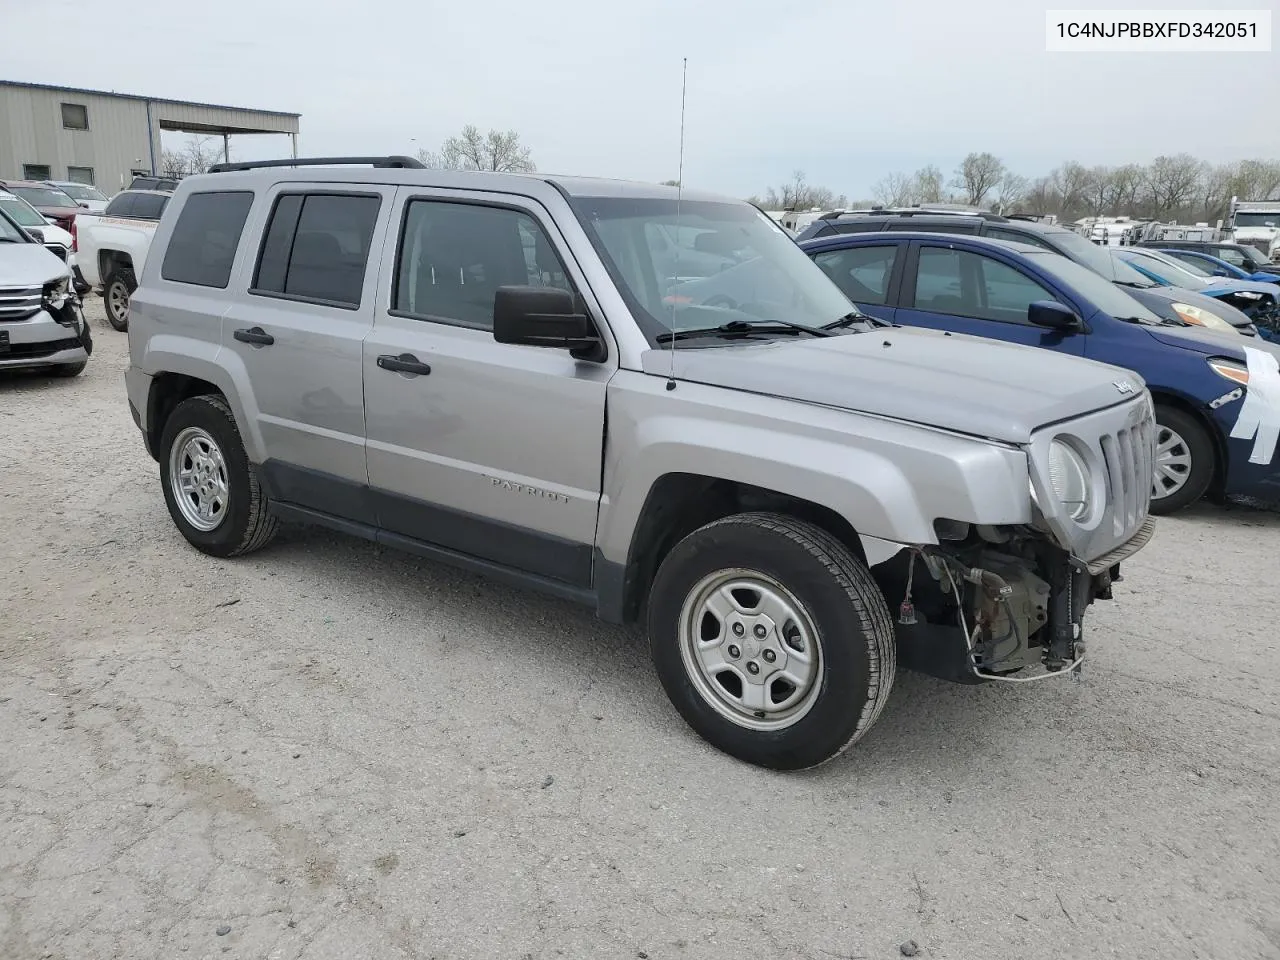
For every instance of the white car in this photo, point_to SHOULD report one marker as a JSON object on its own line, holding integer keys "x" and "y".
{"x": 112, "y": 247}
{"x": 41, "y": 323}
{"x": 27, "y": 216}
{"x": 86, "y": 195}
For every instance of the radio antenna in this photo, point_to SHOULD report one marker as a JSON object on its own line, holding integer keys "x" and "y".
{"x": 684, "y": 86}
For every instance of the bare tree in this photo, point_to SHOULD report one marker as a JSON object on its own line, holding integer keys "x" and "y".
{"x": 1042, "y": 197}
{"x": 977, "y": 175}
{"x": 1126, "y": 188}
{"x": 1256, "y": 180}
{"x": 896, "y": 190}
{"x": 495, "y": 151}
{"x": 1172, "y": 182}
{"x": 1010, "y": 191}
{"x": 927, "y": 185}
{"x": 799, "y": 194}
{"x": 1070, "y": 181}
{"x": 196, "y": 155}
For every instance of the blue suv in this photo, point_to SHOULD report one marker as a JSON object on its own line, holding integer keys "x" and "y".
{"x": 1024, "y": 294}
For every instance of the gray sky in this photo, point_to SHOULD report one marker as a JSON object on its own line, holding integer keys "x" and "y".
{"x": 846, "y": 90}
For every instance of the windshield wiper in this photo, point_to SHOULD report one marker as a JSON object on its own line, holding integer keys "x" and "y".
{"x": 1136, "y": 285}
{"x": 743, "y": 326}
{"x": 856, "y": 316}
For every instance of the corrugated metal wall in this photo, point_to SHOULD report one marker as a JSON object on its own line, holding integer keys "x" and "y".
{"x": 31, "y": 132}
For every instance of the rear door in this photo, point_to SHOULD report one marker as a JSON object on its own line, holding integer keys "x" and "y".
{"x": 948, "y": 288}
{"x": 296, "y": 331}
{"x": 868, "y": 274}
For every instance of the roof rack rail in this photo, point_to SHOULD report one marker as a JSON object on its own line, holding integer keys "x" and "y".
{"x": 399, "y": 163}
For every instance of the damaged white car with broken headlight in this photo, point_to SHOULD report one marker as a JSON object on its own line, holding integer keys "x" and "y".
{"x": 41, "y": 324}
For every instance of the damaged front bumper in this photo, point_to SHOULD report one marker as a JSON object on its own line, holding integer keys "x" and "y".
{"x": 997, "y": 611}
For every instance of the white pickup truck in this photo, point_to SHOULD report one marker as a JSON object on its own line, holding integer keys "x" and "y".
{"x": 111, "y": 247}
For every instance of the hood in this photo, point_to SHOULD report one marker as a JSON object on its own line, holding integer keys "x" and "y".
{"x": 969, "y": 385}
{"x": 28, "y": 265}
{"x": 1222, "y": 286}
{"x": 1211, "y": 343}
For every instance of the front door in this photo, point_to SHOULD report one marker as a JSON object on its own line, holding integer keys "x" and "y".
{"x": 946, "y": 288}
{"x": 487, "y": 449}
{"x": 298, "y": 331}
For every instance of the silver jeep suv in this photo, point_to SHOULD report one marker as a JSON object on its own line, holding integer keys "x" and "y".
{"x": 647, "y": 401}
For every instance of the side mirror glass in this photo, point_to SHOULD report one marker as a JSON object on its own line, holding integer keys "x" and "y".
{"x": 545, "y": 317}
{"x": 36, "y": 234}
{"x": 1054, "y": 316}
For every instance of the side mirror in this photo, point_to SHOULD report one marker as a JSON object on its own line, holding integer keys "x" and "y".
{"x": 1054, "y": 316}
{"x": 36, "y": 234}
{"x": 545, "y": 317}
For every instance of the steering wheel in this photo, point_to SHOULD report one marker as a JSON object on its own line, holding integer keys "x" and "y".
{"x": 720, "y": 300}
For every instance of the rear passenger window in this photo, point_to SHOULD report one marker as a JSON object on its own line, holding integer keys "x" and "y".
{"x": 862, "y": 273}
{"x": 454, "y": 256}
{"x": 149, "y": 206}
{"x": 316, "y": 248}
{"x": 204, "y": 241}
{"x": 120, "y": 206}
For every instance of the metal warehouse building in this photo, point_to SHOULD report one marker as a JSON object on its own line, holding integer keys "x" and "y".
{"x": 103, "y": 138}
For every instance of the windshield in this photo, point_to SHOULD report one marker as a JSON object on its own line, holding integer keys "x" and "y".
{"x": 1102, "y": 293}
{"x": 9, "y": 233}
{"x": 78, "y": 191}
{"x": 1270, "y": 218}
{"x": 1255, "y": 258}
{"x": 44, "y": 197}
{"x": 1083, "y": 251}
{"x": 1127, "y": 275}
{"x": 1166, "y": 271}
{"x": 20, "y": 211}
{"x": 693, "y": 265}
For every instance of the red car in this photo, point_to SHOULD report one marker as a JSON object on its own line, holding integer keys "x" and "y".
{"x": 49, "y": 201}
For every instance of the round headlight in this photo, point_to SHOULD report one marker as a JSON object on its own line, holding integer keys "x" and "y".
{"x": 1069, "y": 477}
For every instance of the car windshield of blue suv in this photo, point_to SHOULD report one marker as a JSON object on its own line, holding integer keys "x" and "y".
{"x": 1103, "y": 294}
{"x": 697, "y": 265}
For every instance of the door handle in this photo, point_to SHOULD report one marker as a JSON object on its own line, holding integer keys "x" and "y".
{"x": 255, "y": 335}
{"x": 405, "y": 363}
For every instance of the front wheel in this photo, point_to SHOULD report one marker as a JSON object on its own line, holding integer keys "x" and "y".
{"x": 771, "y": 640}
{"x": 1185, "y": 461}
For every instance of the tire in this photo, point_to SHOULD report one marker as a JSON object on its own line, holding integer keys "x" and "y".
{"x": 1183, "y": 447}
{"x": 823, "y": 589}
{"x": 115, "y": 295}
{"x": 69, "y": 369}
{"x": 243, "y": 523}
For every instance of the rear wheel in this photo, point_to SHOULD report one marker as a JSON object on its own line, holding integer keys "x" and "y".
{"x": 119, "y": 289}
{"x": 210, "y": 487}
{"x": 1185, "y": 461}
{"x": 771, "y": 639}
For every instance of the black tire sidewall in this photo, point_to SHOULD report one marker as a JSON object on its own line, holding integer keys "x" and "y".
{"x": 213, "y": 416}
{"x": 834, "y": 718}
{"x": 126, "y": 279}
{"x": 1203, "y": 459}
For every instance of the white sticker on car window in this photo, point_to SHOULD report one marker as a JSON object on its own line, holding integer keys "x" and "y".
{"x": 1260, "y": 413}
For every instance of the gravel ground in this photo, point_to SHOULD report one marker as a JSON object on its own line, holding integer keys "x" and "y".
{"x": 328, "y": 750}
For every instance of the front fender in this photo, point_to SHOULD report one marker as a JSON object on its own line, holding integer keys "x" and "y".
{"x": 889, "y": 479}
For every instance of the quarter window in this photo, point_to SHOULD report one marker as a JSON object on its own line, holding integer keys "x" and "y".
{"x": 316, "y": 248}
{"x": 454, "y": 257}
{"x": 204, "y": 241}
{"x": 75, "y": 116}
{"x": 862, "y": 273}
